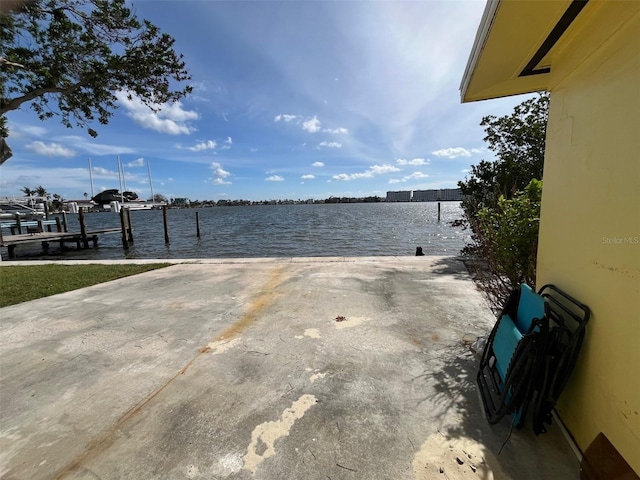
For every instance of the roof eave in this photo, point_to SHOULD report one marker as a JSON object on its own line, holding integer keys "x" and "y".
{"x": 482, "y": 34}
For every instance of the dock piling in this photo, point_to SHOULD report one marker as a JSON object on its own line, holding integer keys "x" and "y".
{"x": 129, "y": 225}
{"x": 83, "y": 228}
{"x": 197, "y": 225}
{"x": 123, "y": 225}
{"x": 166, "y": 226}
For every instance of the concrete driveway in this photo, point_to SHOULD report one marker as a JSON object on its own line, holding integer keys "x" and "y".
{"x": 325, "y": 368}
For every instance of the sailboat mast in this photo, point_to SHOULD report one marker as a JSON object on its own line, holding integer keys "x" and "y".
{"x": 91, "y": 178}
{"x": 150, "y": 183}
{"x": 120, "y": 178}
{"x": 124, "y": 177}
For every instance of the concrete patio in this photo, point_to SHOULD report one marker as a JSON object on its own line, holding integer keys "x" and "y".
{"x": 293, "y": 368}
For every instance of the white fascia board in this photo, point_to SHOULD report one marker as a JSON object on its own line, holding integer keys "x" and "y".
{"x": 482, "y": 34}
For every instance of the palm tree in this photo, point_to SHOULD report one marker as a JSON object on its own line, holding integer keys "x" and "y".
{"x": 27, "y": 191}
{"x": 41, "y": 191}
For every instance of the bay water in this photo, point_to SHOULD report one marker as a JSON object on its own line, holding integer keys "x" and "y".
{"x": 347, "y": 230}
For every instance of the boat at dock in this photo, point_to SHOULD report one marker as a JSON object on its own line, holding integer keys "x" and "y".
{"x": 113, "y": 200}
{"x": 114, "y": 195}
{"x": 10, "y": 209}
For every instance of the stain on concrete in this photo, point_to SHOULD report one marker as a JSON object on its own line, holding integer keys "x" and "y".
{"x": 455, "y": 458}
{"x": 192, "y": 471}
{"x": 222, "y": 346}
{"x": 267, "y": 294}
{"x": 312, "y": 333}
{"x": 316, "y": 376}
{"x": 351, "y": 322}
{"x": 259, "y": 304}
{"x": 230, "y": 463}
{"x": 264, "y": 436}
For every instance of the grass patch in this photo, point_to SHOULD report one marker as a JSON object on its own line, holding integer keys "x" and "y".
{"x": 23, "y": 283}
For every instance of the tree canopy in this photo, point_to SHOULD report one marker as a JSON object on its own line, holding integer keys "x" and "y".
{"x": 518, "y": 141}
{"x": 69, "y": 58}
{"x": 502, "y": 200}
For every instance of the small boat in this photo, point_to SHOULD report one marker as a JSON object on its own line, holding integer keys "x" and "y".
{"x": 114, "y": 195}
{"x": 9, "y": 210}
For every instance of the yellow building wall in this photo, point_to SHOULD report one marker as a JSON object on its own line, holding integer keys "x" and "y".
{"x": 590, "y": 219}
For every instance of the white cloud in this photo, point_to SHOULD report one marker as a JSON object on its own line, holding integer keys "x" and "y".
{"x": 285, "y": 117}
{"x": 413, "y": 176}
{"x": 380, "y": 169}
{"x": 208, "y": 145}
{"x": 416, "y": 175}
{"x": 51, "y": 149}
{"x": 373, "y": 170}
{"x": 312, "y": 125}
{"x": 466, "y": 170}
{"x": 339, "y": 130}
{"x": 218, "y": 171}
{"x": 103, "y": 172}
{"x": 219, "y": 174}
{"x": 317, "y": 164}
{"x": 415, "y": 161}
{"x": 139, "y": 162}
{"x": 308, "y": 177}
{"x": 88, "y": 145}
{"x": 169, "y": 118}
{"x": 36, "y": 131}
{"x": 274, "y": 178}
{"x": 452, "y": 152}
{"x": 329, "y": 145}
{"x": 227, "y": 144}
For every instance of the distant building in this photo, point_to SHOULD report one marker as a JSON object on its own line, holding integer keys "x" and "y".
{"x": 401, "y": 196}
{"x": 441, "y": 195}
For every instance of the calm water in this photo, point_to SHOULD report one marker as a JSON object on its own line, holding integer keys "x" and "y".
{"x": 350, "y": 230}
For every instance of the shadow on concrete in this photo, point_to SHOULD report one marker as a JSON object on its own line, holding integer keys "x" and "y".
{"x": 503, "y": 452}
{"x": 454, "y": 266}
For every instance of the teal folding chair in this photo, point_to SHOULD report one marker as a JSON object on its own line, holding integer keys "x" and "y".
{"x": 512, "y": 356}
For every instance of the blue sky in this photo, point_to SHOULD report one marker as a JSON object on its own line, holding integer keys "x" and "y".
{"x": 293, "y": 99}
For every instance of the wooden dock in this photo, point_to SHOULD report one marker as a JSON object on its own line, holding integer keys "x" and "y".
{"x": 81, "y": 241}
{"x": 36, "y": 233}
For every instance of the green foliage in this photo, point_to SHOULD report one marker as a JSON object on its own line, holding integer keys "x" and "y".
{"x": 507, "y": 239}
{"x": 518, "y": 142}
{"x": 79, "y": 54}
{"x": 502, "y": 200}
{"x": 23, "y": 283}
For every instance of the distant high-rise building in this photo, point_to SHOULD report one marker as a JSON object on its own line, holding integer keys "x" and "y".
{"x": 437, "y": 195}
{"x": 400, "y": 196}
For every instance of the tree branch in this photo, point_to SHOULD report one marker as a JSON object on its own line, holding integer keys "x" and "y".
{"x": 4, "y": 61}
{"x": 15, "y": 103}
